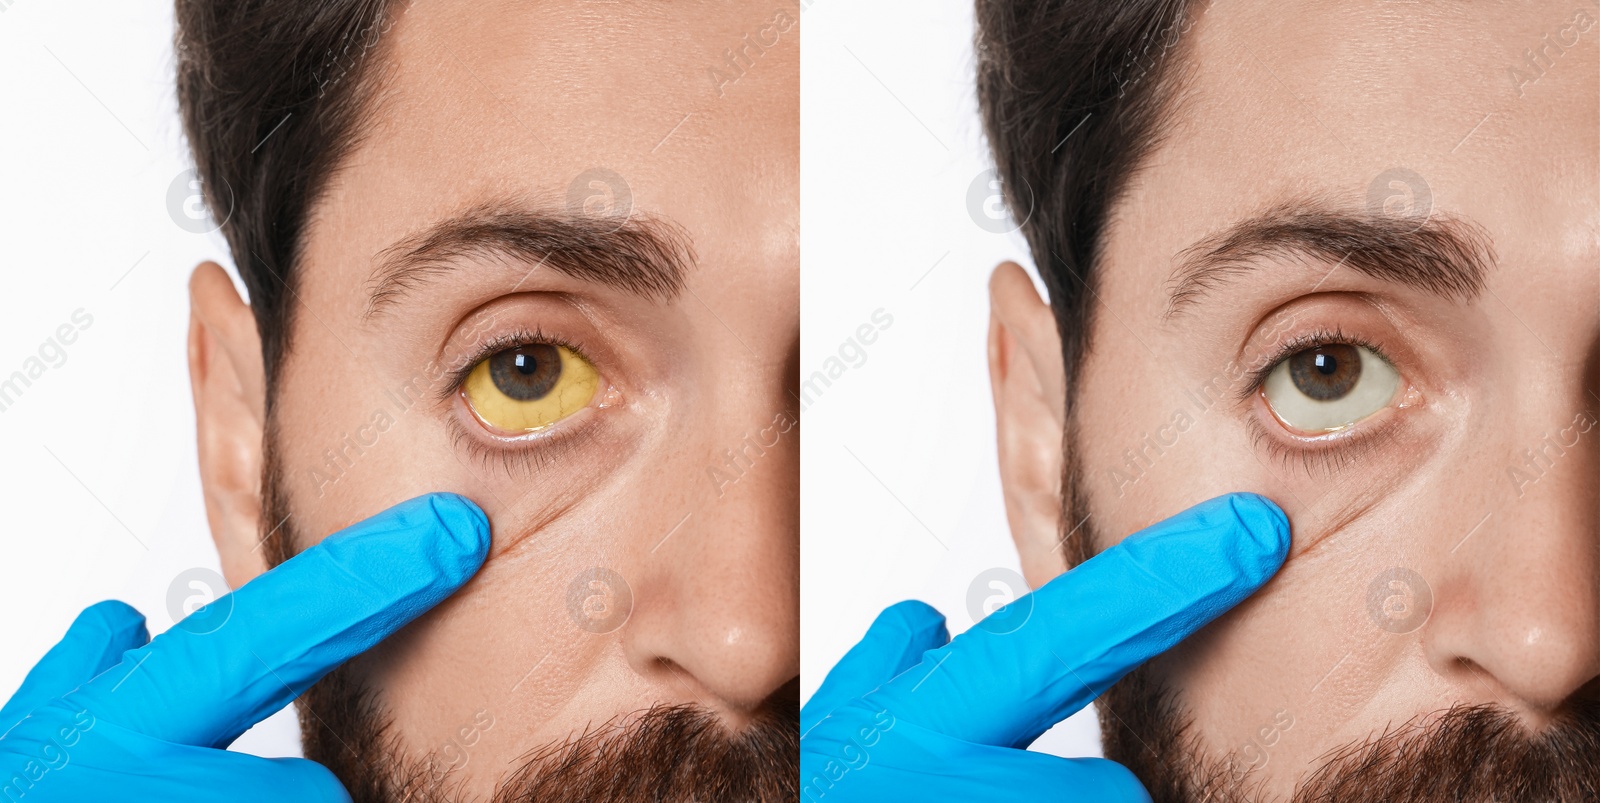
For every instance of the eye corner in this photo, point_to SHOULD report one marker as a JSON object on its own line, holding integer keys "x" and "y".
{"x": 1409, "y": 397}
{"x": 609, "y": 396}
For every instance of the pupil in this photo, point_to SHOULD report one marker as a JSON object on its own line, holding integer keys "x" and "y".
{"x": 1326, "y": 363}
{"x": 526, "y": 364}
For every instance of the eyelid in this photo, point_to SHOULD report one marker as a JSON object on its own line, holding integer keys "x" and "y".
{"x": 456, "y": 377}
{"x": 1326, "y": 452}
{"x": 531, "y": 451}
{"x": 538, "y": 450}
{"x": 1307, "y": 340}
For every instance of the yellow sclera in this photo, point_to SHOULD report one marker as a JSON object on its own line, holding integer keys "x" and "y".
{"x": 572, "y": 390}
{"x": 1375, "y": 387}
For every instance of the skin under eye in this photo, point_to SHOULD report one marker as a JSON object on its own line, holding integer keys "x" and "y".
{"x": 1327, "y": 388}
{"x": 528, "y": 388}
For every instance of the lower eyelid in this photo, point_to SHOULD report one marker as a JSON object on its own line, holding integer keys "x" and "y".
{"x": 1326, "y": 453}
{"x": 529, "y": 453}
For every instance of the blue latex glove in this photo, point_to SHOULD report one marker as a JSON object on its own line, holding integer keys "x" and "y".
{"x": 155, "y": 719}
{"x": 909, "y": 714}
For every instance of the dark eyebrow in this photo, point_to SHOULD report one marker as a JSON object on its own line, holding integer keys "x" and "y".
{"x": 1441, "y": 254}
{"x": 639, "y": 254}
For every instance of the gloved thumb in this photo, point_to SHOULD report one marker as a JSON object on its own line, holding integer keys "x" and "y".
{"x": 894, "y": 643}
{"x": 94, "y": 643}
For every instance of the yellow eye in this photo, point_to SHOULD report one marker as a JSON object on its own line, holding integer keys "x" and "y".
{"x": 528, "y": 388}
{"x": 1330, "y": 387}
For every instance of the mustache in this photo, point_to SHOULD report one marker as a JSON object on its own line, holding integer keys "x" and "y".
{"x": 1477, "y": 752}
{"x": 1461, "y": 754}
{"x": 669, "y": 753}
{"x": 664, "y": 753}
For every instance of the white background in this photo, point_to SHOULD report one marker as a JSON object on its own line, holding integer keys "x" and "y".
{"x": 100, "y": 488}
{"x": 99, "y": 485}
{"x": 900, "y": 493}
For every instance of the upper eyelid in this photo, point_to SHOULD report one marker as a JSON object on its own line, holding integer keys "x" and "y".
{"x": 1320, "y": 336}
{"x": 456, "y": 376}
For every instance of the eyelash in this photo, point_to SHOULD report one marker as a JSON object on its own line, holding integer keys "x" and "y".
{"x": 1302, "y": 342}
{"x": 530, "y": 454}
{"x": 521, "y": 460}
{"x": 497, "y": 344}
{"x": 1328, "y": 454}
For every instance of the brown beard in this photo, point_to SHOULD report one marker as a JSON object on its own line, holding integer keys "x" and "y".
{"x": 1467, "y": 753}
{"x": 666, "y": 753}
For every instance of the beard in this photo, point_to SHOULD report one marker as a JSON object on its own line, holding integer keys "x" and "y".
{"x": 664, "y": 753}
{"x": 667, "y": 753}
{"x": 1461, "y": 755}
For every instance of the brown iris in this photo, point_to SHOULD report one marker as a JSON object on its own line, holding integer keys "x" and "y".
{"x": 1326, "y": 372}
{"x": 526, "y": 373}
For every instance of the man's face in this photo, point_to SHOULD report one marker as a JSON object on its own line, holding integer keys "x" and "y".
{"x": 645, "y": 545}
{"x": 1447, "y": 541}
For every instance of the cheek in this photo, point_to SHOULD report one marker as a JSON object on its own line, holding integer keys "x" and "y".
{"x": 1297, "y": 669}
{"x": 1334, "y": 642}
{"x": 342, "y": 463}
{"x": 509, "y": 644}
{"x": 347, "y": 448}
{"x": 1149, "y": 446}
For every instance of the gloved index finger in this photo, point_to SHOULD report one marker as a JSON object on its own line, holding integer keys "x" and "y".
{"x": 232, "y": 664}
{"x": 1004, "y": 683}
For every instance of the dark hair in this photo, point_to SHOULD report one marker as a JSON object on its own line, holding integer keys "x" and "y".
{"x": 1073, "y": 94}
{"x": 272, "y": 94}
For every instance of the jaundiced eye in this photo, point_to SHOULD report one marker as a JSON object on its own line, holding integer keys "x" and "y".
{"x": 1329, "y": 387}
{"x": 527, "y": 388}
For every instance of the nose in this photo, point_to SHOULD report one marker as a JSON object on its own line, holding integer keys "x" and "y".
{"x": 1518, "y": 602}
{"x": 720, "y": 613}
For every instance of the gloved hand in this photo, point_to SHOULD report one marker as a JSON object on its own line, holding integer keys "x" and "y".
{"x": 106, "y": 716}
{"x": 909, "y": 714}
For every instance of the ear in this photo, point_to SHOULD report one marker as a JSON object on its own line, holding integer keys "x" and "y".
{"x": 225, "y": 372}
{"x": 1029, "y": 384}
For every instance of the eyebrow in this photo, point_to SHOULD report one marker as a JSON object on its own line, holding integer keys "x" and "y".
{"x": 1441, "y": 254}
{"x": 641, "y": 254}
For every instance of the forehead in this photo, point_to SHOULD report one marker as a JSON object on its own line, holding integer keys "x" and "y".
{"x": 573, "y": 104}
{"x": 1342, "y": 100}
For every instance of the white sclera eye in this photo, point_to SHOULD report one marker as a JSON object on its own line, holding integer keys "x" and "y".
{"x": 1330, "y": 387}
